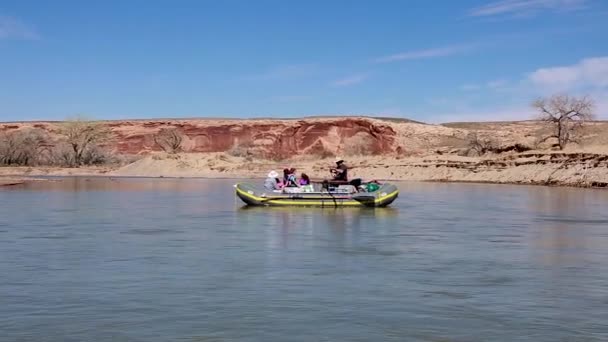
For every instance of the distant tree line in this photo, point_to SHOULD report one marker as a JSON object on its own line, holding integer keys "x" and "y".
{"x": 80, "y": 143}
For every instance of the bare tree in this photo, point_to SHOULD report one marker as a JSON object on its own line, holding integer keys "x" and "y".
{"x": 9, "y": 146}
{"x": 566, "y": 114}
{"x": 22, "y": 147}
{"x": 169, "y": 139}
{"x": 62, "y": 155}
{"x": 478, "y": 146}
{"x": 83, "y": 137}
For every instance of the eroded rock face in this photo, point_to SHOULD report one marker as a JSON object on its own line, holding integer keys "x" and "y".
{"x": 267, "y": 138}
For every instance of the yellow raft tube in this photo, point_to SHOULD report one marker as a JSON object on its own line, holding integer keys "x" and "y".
{"x": 253, "y": 196}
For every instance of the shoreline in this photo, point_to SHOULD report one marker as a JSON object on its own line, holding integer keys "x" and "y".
{"x": 12, "y": 182}
{"x": 575, "y": 175}
{"x": 374, "y": 148}
{"x": 38, "y": 178}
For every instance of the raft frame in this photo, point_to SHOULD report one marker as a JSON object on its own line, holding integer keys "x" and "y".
{"x": 253, "y": 196}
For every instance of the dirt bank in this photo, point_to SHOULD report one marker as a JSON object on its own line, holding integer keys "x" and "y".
{"x": 579, "y": 169}
{"x": 375, "y": 148}
{"x": 279, "y": 139}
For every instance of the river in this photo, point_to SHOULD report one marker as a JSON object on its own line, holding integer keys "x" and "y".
{"x": 87, "y": 259}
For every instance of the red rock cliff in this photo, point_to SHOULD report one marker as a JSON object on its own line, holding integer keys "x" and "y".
{"x": 268, "y": 138}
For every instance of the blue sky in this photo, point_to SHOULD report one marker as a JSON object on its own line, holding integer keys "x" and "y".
{"x": 433, "y": 61}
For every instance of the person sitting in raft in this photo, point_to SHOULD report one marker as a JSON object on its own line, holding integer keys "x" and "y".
{"x": 291, "y": 178}
{"x": 272, "y": 181}
{"x": 285, "y": 175}
{"x": 340, "y": 172}
{"x": 304, "y": 180}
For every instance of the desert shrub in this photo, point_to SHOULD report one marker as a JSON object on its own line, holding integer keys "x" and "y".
{"x": 83, "y": 138}
{"x": 62, "y": 155}
{"x": 96, "y": 155}
{"x": 22, "y": 147}
{"x": 401, "y": 152}
{"x": 169, "y": 139}
{"x": 79, "y": 144}
{"x": 479, "y": 146}
{"x": 240, "y": 150}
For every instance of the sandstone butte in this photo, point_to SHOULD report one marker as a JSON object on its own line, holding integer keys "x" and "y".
{"x": 383, "y": 148}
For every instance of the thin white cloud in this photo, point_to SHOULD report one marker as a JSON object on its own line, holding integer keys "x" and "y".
{"x": 12, "y": 28}
{"x": 587, "y": 77}
{"x": 587, "y": 74}
{"x": 284, "y": 72}
{"x": 522, "y": 7}
{"x": 423, "y": 54}
{"x": 350, "y": 80}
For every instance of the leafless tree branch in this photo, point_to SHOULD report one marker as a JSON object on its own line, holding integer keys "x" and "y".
{"x": 84, "y": 137}
{"x": 566, "y": 114}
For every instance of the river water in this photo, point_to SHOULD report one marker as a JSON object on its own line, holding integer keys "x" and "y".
{"x": 181, "y": 260}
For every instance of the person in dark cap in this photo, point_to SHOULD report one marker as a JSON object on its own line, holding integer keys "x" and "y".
{"x": 340, "y": 172}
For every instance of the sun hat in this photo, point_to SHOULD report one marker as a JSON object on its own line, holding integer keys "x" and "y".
{"x": 339, "y": 159}
{"x": 273, "y": 174}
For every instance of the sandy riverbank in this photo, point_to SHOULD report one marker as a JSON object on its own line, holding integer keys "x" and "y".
{"x": 384, "y": 149}
{"x": 580, "y": 169}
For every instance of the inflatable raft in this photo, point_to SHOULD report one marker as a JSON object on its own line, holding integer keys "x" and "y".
{"x": 341, "y": 196}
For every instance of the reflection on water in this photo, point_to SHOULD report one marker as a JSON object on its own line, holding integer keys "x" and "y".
{"x": 558, "y": 212}
{"x": 177, "y": 259}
